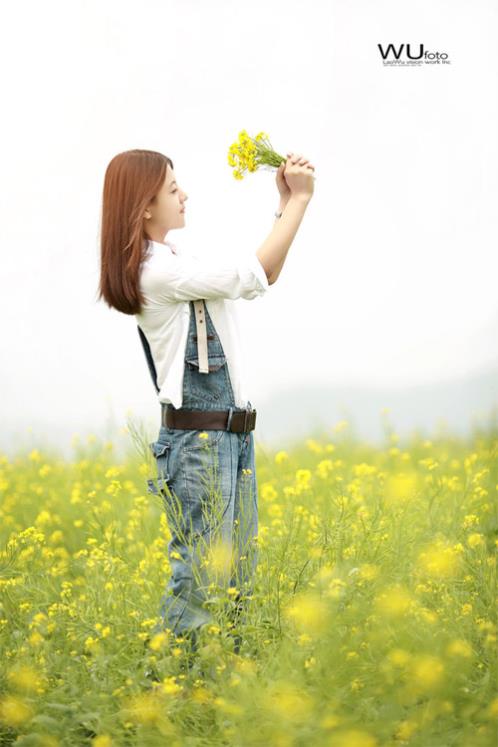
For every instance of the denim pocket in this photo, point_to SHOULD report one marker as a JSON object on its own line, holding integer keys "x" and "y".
{"x": 161, "y": 451}
{"x": 210, "y": 386}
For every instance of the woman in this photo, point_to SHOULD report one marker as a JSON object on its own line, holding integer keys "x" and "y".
{"x": 186, "y": 319}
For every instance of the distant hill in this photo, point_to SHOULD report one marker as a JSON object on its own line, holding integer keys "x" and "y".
{"x": 457, "y": 403}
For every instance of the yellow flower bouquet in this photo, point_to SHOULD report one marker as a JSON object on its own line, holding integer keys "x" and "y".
{"x": 247, "y": 154}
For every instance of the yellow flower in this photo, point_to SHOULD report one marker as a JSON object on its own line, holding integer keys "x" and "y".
{"x": 281, "y": 456}
{"x": 303, "y": 479}
{"x": 14, "y": 711}
{"x": 324, "y": 468}
{"x": 219, "y": 557}
{"x": 25, "y": 678}
{"x": 364, "y": 469}
{"x": 145, "y": 709}
{"x": 330, "y": 721}
{"x": 313, "y": 445}
{"x": 439, "y": 560}
{"x": 470, "y": 520}
{"x": 201, "y": 695}
{"x": 406, "y": 729}
{"x": 493, "y": 708}
{"x": 169, "y": 686}
{"x": 35, "y": 639}
{"x": 368, "y": 571}
{"x": 158, "y": 641}
{"x": 353, "y": 738}
{"x": 113, "y": 472}
{"x": 400, "y": 487}
{"x": 268, "y": 492}
{"x": 427, "y": 672}
{"x": 104, "y": 740}
{"x": 288, "y": 701}
{"x": 475, "y": 540}
{"x": 459, "y": 647}
{"x": 399, "y": 657}
{"x": 91, "y": 644}
{"x": 393, "y": 601}
{"x": 309, "y": 612}
{"x": 428, "y": 615}
{"x": 275, "y": 510}
{"x": 336, "y": 588}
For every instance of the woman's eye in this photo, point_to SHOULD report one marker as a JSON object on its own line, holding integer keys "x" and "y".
{"x": 175, "y": 190}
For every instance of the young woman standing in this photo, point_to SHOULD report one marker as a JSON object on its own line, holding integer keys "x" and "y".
{"x": 183, "y": 306}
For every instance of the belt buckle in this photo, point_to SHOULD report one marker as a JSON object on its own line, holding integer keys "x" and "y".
{"x": 248, "y": 419}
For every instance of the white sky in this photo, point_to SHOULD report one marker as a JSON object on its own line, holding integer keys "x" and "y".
{"x": 392, "y": 276}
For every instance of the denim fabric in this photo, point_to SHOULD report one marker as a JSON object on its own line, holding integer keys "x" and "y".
{"x": 211, "y": 504}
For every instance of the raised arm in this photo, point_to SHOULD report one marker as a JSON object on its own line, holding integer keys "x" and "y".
{"x": 297, "y": 177}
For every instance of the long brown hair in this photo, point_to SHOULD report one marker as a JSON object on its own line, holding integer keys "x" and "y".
{"x": 132, "y": 180}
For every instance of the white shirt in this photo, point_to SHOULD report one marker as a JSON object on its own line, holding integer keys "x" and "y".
{"x": 169, "y": 279}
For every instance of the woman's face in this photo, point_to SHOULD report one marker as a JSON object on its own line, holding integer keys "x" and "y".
{"x": 168, "y": 210}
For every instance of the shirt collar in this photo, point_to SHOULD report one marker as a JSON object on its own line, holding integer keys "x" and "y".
{"x": 161, "y": 245}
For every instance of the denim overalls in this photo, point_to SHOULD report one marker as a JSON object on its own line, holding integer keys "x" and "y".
{"x": 207, "y": 480}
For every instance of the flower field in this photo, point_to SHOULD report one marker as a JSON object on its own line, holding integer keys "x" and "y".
{"x": 372, "y": 624}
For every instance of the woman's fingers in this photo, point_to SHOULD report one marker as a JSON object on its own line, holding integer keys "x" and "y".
{"x": 300, "y": 160}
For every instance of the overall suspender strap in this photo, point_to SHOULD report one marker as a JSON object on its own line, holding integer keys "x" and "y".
{"x": 202, "y": 347}
{"x": 148, "y": 357}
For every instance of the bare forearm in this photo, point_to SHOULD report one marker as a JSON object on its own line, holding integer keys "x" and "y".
{"x": 273, "y": 252}
{"x": 280, "y": 264}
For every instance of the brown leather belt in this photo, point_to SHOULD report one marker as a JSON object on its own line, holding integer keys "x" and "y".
{"x": 231, "y": 419}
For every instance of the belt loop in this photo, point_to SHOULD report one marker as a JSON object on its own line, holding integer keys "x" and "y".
{"x": 230, "y": 413}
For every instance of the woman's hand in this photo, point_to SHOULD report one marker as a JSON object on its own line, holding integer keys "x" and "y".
{"x": 295, "y": 176}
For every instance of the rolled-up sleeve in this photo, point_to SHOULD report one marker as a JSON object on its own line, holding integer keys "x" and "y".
{"x": 173, "y": 278}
